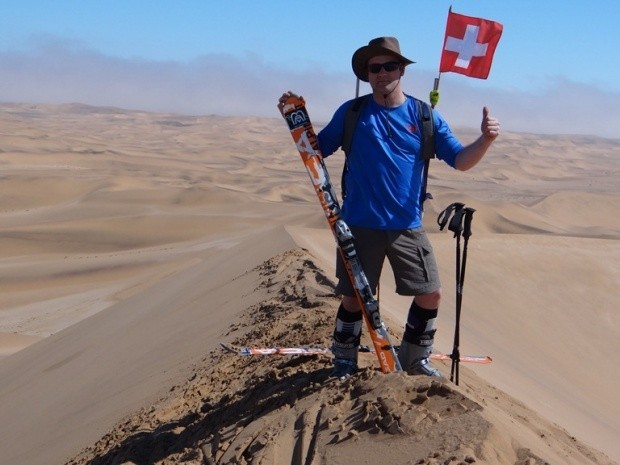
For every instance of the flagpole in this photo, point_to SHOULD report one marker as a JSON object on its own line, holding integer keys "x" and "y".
{"x": 434, "y": 94}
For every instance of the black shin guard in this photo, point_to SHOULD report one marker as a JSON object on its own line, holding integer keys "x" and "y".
{"x": 417, "y": 343}
{"x": 420, "y": 327}
{"x": 347, "y": 334}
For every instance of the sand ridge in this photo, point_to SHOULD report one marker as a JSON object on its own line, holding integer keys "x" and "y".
{"x": 286, "y": 409}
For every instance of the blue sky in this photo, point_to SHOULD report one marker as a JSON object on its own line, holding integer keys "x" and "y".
{"x": 555, "y": 69}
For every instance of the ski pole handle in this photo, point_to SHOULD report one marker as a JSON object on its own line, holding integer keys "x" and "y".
{"x": 457, "y": 220}
{"x": 469, "y": 215}
{"x": 445, "y": 215}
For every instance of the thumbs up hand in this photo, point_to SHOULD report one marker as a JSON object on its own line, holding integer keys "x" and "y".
{"x": 489, "y": 125}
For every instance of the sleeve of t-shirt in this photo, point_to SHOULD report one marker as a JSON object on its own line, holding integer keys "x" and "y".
{"x": 330, "y": 137}
{"x": 447, "y": 146}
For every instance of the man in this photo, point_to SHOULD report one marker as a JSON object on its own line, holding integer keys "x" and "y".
{"x": 382, "y": 206}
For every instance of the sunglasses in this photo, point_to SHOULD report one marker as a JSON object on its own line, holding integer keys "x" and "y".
{"x": 389, "y": 67}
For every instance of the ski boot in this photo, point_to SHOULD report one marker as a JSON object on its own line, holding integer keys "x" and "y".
{"x": 345, "y": 355}
{"x": 414, "y": 359}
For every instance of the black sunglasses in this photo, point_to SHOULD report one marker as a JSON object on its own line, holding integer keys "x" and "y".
{"x": 389, "y": 67}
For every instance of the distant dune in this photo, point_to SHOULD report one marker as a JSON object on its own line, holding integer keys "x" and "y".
{"x": 133, "y": 243}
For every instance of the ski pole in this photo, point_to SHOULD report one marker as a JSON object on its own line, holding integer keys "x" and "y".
{"x": 455, "y": 226}
{"x": 456, "y": 355}
{"x": 459, "y": 218}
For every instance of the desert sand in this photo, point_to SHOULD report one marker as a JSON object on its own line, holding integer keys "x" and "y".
{"x": 132, "y": 244}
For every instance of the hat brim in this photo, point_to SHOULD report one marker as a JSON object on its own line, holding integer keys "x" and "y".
{"x": 359, "y": 62}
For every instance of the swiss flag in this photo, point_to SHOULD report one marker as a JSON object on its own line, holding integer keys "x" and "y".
{"x": 469, "y": 45}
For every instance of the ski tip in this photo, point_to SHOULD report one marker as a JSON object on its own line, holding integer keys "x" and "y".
{"x": 228, "y": 348}
{"x": 294, "y": 99}
{"x": 292, "y": 103}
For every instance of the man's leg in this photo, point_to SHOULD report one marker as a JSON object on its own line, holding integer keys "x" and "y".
{"x": 416, "y": 274}
{"x": 347, "y": 337}
{"x": 370, "y": 247}
{"x": 417, "y": 343}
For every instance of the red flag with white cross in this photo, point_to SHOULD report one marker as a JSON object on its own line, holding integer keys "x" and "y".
{"x": 469, "y": 45}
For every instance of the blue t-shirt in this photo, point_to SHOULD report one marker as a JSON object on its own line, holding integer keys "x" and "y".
{"x": 385, "y": 167}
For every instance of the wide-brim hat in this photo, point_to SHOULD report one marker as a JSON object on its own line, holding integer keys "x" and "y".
{"x": 376, "y": 47}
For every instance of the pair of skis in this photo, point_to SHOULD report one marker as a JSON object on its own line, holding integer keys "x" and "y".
{"x": 296, "y": 115}
{"x": 310, "y": 351}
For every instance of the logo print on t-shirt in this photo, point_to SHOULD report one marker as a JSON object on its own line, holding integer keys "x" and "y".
{"x": 412, "y": 128}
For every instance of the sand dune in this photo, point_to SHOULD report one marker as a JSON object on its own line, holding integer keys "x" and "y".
{"x": 133, "y": 243}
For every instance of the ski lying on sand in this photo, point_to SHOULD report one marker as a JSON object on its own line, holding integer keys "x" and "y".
{"x": 305, "y": 138}
{"x": 484, "y": 359}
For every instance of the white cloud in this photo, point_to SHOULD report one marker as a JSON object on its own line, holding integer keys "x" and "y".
{"x": 56, "y": 71}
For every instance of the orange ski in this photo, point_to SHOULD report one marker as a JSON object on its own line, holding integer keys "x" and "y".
{"x": 305, "y": 139}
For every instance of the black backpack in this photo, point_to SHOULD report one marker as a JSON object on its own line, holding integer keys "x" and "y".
{"x": 428, "y": 136}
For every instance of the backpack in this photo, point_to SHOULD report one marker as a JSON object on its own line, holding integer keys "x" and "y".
{"x": 428, "y": 136}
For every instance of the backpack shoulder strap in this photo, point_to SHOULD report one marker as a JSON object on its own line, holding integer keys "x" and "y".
{"x": 428, "y": 129}
{"x": 428, "y": 144}
{"x": 350, "y": 121}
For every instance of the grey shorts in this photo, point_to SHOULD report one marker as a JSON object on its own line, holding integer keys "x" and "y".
{"x": 410, "y": 255}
